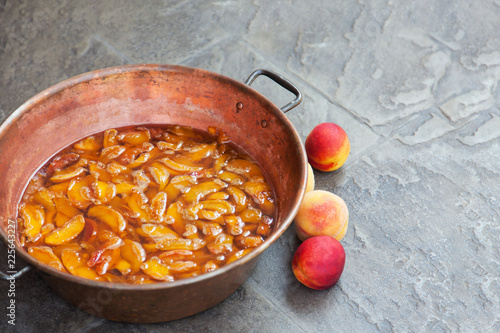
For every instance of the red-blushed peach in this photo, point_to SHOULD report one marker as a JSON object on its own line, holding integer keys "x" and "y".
{"x": 319, "y": 262}
{"x": 310, "y": 178}
{"x": 322, "y": 213}
{"x": 327, "y": 147}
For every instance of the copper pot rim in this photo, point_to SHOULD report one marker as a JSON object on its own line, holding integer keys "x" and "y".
{"x": 105, "y": 72}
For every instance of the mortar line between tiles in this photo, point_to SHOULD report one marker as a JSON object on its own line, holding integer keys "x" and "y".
{"x": 203, "y": 49}
{"x": 252, "y": 285}
{"x": 111, "y": 47}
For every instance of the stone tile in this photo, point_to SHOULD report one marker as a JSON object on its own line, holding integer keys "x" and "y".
{"x": 238, "y": 59}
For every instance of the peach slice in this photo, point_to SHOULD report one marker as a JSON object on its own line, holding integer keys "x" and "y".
{"x": 134, "y": 254}
{"x": 70, "y": 230}
{"x": 197, "y": 192}
{"x": 124, "y": 188}
{"x": 177, "y": 185}
{"x": 44, "y": 197}
{"x": 245, "y": 168}
{"x": 33, "y": 217}
{"x": 100, "y": 171}
{"x": 46, "y": 256}
{"x": 75, "y": 264}
{"x": 168, "y": 244}
{"x": 134, "y": 137}
{"x": 109, "y": 216}
{"x": 322, "y": 213}
{"x": 261, "y": 194}
{"x": 239, "y": 197}
{"x": 137, "y": 203}
{"x": 237, "y": 255}
{"x": 103, "y": 191}
{"x": 67, "y": 174}
{"x": 156, "y": 232}
{"x": 157, "y": 270}
{"x": 231, "y": 178}
{"x": 110, "y": 138}
{"x": 160, "y": 174}
{"x": 158, "y": 206}
{"x": 174, "y": 217}
{"x": 110, "y": 153}
{"x": 251, "y": 215}
{"x": 79, "y": 191}
{"x": 65, "y": 207}
{"x": 234, "y": 225}
{"x": 91, "y": 143}
{"x": 222, "y": 244}
{"x": 184, "y": 168}
{"x": 61, "y": 162}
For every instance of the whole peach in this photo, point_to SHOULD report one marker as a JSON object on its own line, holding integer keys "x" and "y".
{"x": 310, "y": 178}
{"x": 327, "y": 147}
{"x": 319, "y": 262}
{"x": 322, "y": 213}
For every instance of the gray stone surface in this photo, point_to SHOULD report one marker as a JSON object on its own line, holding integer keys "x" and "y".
{"x": 413, "y": 83}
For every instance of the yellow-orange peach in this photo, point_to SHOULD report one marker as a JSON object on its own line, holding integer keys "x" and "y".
{"x": 310, "y": 178}
{"x": 322, "y": 213}
{"x": 327, "y": 147}
{"x": 319, "y": 262}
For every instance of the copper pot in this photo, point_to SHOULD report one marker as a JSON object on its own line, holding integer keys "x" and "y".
{"x": 152, "y": 94}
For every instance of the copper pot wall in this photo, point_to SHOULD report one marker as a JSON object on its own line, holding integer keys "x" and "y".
{"x": 152, "y": 94}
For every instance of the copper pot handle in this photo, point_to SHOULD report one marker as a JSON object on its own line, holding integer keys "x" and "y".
{"x": 282, "y": 82}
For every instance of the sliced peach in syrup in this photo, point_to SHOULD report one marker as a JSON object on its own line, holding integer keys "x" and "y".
{"x": 261, "y": 194}
{"x": 134, "y": 254}
{"x": 156, "y": 231}
{"x": 61, "y": 162}
{"x": 168, "y": 244}
{"x": 60, "y": 219}
{"x": 89, "y": 231}
{"x": 178, "y": 185}
{"x": 110, "y": 153}
{"x": 74, "y": 262}
{"x": 199, "y": 191}
{"x": 244, "y": 168}
{"x": 124, "y": 188}
{"x": 134, "y": 137}
{"x": 65, "y": 207}
{"x": 234, "y": 225}
{"x": 100, "y": 171}
{"x": 67, "y": 174}
{"x": 110, "y": 138}
{"x": 239, "y": 197}
{"x": 109, "y": 216}
{"x": 231, "y": 178}
{"x": 70, "y": 230}
{"x": 137, "y": 204}
{"x": 88, "y": 144}
{"x": 182, "y": 168}
{"x": 33, "y": 218}
{"x": 222, "y": 244}
{"x": 44, "y": 197}
{"x": 158, "y": 206}
{"x": 157, "y": 270}
{"x": 160, "y": 174}
{"x": 60, "y": 188}
{"x": 237, "y": 255}
{"x": 79, "y": 191}
{"x": 174, "y": 217}
{"x": 103, "y": 191}
{"x": 46, "y": 256}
